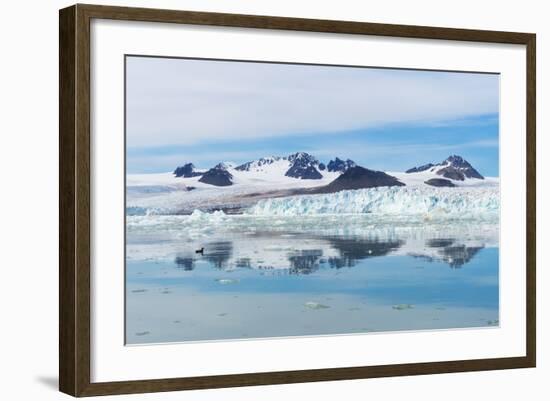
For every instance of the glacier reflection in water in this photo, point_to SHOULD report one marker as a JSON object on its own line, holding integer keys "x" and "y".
{"x": 313, "y": 275}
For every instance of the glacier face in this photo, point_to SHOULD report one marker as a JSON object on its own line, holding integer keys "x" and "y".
{"x": 482, "y": 202}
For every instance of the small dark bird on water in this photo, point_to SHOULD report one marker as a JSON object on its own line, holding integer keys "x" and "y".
{"x": 201, "y": 251}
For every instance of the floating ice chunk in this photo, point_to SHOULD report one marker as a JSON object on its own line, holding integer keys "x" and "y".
{"x": 225, "y": 281}
{"x": 402, "y": 306}
{"x": 217, "y": 216}
{"x": 315, "y": 305}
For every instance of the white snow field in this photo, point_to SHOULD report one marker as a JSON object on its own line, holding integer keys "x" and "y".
{"x": 165, "y": 194}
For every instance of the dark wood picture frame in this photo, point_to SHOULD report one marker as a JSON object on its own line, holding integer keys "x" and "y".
{"x": 74, "y": 199}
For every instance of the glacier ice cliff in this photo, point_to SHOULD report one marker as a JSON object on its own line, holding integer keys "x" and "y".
{"x": 475, "y": 202}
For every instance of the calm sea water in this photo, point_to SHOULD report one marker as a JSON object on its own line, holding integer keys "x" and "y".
{"x": 253, "y": 282}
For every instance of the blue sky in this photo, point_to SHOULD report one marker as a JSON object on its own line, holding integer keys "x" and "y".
{"x": 204, "y": 112}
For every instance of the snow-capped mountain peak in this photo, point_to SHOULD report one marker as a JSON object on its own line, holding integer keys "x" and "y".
{"x": 302, "y": 157}
{"x": 299, "y": 165}
{"x": 457, "y": 168}
{"x": 187, "y": 170}
{"x": 225, "y": 165}
{"x": 218, "y": 176}
{"x": 340, "y": 165}
{"x": 454, "y": 168}
{"x": 457, "y": 161}
{"x": 257, "y": 165}
{"x": 419, "y": 169}
{"x": 303, "y": 166}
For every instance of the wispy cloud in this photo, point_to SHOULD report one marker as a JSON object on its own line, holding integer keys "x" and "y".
{"x": 185, "y": 102}
{"x": 365, "y": 149}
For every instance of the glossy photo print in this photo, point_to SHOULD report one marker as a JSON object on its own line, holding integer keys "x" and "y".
{"x": 270, "y": 199}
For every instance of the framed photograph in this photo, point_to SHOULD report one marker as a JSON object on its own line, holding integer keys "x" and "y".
{"x": 250, "y": 200}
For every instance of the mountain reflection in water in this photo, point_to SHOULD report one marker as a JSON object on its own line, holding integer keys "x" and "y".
{"x": 303, "y": 255}
{"x": 257, "y": 282}
{"x": 451, "y": 252}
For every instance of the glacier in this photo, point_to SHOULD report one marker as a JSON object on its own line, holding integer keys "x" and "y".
{"x": 465, "y": 202}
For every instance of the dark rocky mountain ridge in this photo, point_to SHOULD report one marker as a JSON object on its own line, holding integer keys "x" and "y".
{"x": 340, "y": 165}
{"x": 454, "y": 167}
{"x": 186, "y": 171}
{"x": 303, "y": 166}
{"x": 263, "y": 161}
{"x": 217, "y": 176}
{"x": 358, "y": 178}
{"x": 420, "y": 168}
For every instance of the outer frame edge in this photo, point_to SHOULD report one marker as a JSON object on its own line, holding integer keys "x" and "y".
{"x": 531, "y": 199}
{"x": 75, "y": 200}
{"x": 67, "y": 265}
